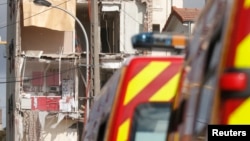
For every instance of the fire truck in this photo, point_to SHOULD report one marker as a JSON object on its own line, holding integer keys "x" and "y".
{"x": 214, "y": 84}
{"x": 136, "y": 102}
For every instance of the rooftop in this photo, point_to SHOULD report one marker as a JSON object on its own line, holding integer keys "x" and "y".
{"x": 183, "y": 14}
{"x": 186, "y": 14}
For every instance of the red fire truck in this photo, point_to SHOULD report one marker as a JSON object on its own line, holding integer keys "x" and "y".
{"x": 215, "y": 81}
{"x": 136, "y": 102}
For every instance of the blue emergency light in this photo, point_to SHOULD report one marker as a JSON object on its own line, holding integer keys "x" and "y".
{"x": 148, "y": 40}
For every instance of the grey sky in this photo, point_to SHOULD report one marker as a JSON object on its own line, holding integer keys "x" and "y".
{"x": 193, "y": 3}
{"x": 3, "y": 23}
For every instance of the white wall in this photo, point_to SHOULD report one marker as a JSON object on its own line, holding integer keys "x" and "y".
{"x": 131, "y": 23}
{"x": 178, "y": 3}
{"x": 162, "y": 10}
{"x": 192, "y": 27}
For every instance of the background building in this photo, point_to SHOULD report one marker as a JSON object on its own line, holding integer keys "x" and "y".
{"x": 161, "y": 11}
{"x": 46, "y": 52}
{"x": 181, "y": 20}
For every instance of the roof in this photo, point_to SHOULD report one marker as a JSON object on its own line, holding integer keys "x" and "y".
{"x": 183, "y": 14}
{"x": 186, "y": 14}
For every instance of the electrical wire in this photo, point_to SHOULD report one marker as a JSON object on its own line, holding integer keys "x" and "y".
{"x": 58, "y": 5}
{"x": 131, "y": 16}
{"x": 3, "y": 3}
{"x": 82, "y": 65}
{"x": 42, "y": 76}
{"x": 33, "y": 15}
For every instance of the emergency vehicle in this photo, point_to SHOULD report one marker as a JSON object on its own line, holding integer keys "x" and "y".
{"x": 215, "y": 82}
{"x": 136, "y": 102}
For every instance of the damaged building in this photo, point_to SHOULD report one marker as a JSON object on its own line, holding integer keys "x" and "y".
{"x": 48, "y": 89}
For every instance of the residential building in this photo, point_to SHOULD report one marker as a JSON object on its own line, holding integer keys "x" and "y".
{"x": 161, "y": 11}
{"x": 45, "y": 90}
{"x": 181, "y": 20}
{"x": 46, "y": 51}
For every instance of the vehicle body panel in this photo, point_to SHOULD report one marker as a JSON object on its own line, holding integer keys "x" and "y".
{"x": 140, "y": 80}
{"x": 218, "y": 51}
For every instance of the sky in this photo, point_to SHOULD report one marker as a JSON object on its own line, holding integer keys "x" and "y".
{"x": 3, "y": 11}
{"x": 3, "y": 23}
{"x": 193, "y": 3}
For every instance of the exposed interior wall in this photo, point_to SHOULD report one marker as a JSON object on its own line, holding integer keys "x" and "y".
{"x": 131, "y": 23}
{"x": 49, "y": 41}
{"x": 109, "y": 30}
{"x": 47, "y": 17}
{"x": 40, "y": 76}
{"x": 44, "y": 126}
{"x": 64, "y": 131}
{"x": 83, "y": 15}
{"x": 105, "y": 75}
{"x": 49, "y": 87}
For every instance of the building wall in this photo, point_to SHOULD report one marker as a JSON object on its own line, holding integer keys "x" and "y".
{"x": 162, "y": 10}
{"x": 131, "y": 23}
{"x": 83, "y": 16}
{"x": 60, "y": 132}
{"x": 192, "y": 26}
{"x": 21, "y": 39}
{"x": 178, "y": 3}
{"x": 176, "y": 26}
{"x": 49, "y": 41}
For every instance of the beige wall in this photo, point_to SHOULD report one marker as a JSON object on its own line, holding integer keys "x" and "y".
{"x": 50, "y": 41}
{"x": 62, "y": 132}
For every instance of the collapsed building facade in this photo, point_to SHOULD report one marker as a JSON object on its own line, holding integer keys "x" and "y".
{"x": 46, "y": 51}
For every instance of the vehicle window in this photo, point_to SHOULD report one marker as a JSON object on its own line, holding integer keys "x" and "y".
{"x": 150, "y": 122}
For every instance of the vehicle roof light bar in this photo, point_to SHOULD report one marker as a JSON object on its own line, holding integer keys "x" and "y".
{"x": 149, "y": 40}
